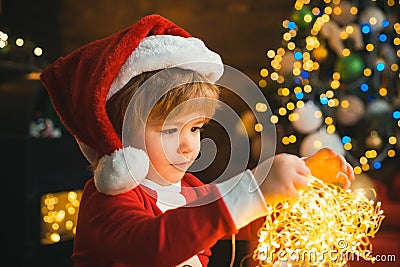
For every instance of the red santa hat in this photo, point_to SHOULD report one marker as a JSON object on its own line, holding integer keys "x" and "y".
{"x": 80, "y": 84}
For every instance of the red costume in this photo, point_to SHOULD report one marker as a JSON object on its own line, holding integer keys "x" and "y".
{"x": 119, "y": 222}
{"x": 130, "y": 230}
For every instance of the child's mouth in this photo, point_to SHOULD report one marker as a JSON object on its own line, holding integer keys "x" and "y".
{"x": 182, "y": 166}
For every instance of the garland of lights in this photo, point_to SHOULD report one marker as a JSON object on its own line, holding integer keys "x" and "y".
{"x": 22, "y": 53}
{"x": 296, "y": 67}
{"x": 324, "y": 227}
{"x": 19, "y": 42}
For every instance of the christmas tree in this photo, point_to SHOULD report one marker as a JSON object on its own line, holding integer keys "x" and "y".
{"x": 335, "y": 80}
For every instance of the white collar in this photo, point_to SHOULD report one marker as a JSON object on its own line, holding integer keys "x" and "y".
{"x": 157, "y": 187}
{"x": 168, "y": 196}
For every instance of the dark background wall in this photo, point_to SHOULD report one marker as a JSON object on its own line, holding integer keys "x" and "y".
{"x": 240, "y": 30}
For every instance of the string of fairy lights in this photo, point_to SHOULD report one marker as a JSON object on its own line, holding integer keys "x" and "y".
{"x": 319, "y": 231}
{"x": 59, "y": 214}
{"x": 22, "y": 53}
{"x": 19, "y": 42}
{"x": 337, "y": 72}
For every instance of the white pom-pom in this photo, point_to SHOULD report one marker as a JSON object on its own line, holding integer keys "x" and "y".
{"x": 121, "y": 171}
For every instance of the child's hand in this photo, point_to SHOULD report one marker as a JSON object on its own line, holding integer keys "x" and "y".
{"x": 288, "y": 173}
{"x": 330, "y": 167}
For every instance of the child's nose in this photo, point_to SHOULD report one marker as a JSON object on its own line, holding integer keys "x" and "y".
{"x": 186, "y": 144}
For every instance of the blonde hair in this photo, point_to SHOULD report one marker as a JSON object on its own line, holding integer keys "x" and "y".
{"x": 156, "y": 100}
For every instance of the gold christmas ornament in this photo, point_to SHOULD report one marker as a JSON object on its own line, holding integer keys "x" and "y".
{"x": 320, "y": 53}
{"x": 325, "y": 226}
{"x": 373, "y": 140}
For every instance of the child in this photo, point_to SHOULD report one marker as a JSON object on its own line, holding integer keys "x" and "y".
{"x": 142, "y": 208}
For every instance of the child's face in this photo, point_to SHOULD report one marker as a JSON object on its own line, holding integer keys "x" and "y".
{"x": 172, "y": 146}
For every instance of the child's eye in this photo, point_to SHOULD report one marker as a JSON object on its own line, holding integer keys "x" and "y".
{"x": 169, "y": 131}
{"x": 196, "y": 129}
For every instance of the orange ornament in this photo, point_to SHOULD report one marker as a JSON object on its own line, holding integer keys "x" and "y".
{"x": 328, "y": 166}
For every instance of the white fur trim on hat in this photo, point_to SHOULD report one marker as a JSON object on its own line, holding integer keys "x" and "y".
{"x": 121, "y": 171}
{"x": 158, "y": 52}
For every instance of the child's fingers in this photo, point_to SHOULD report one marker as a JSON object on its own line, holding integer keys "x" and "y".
{"x": 293, "y": 192}
{"x": 300, "y": 181}
{"x": 350, "y": 172}
{"x": 343, "y": 179}
{"x": 346, "y": 174}
{"x": 301, "y": 167}
{"x": 342, "y": 162}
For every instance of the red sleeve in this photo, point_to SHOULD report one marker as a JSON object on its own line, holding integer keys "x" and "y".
{"x": 124, "y": 229}
{"x": 250, "y": 232}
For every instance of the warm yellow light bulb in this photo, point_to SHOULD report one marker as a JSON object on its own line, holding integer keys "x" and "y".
{"x": 285, "y": 91}
{"x": 19, "y": 42}
{"x": 262, "y": 83}
{"x": 367, "y": 72}
{"x": 258, "y": 127}
{"x": 294, "y": 116}
{"x": 349, "y": 29}
{"x": 357, "y": 170}
{"x": 345, "y": 104}
{"x": 271, "y": 53}
{"x": 331, "y": 129}
{"x": 383, "y": 91}
{"x": 392, "y": 140}
{"x": 282, "y": 111}
{"x": 363, "y": 160}
{"x": 38, "y": 51}
{"x": 328, "y": 120}
{"x": 335, "y": 84}
{"x": 290, "y": 106}
{"x": 346, "y": 52}
{"x": 323, "y": 218}
{"x": 55, "y": 237}
{"x": 285, "y": 140}
{"x": 369, "y": 47}
{"x": 307, "y": 88}
{"x": 261, "y": 107}
{"x": 274, "y": 119}
{"x": 336, "y": 76}
{"x": 348, "y": 146}
{"x": 274, "y": 76}
{"x": 300, "y": 104}
{"x": 291, "y": 45}
{"x": 292, "y": 139}
{"x": 353, "y": 10}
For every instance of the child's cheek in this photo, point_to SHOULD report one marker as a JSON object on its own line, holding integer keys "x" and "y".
{"x": 169, "y": 144}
